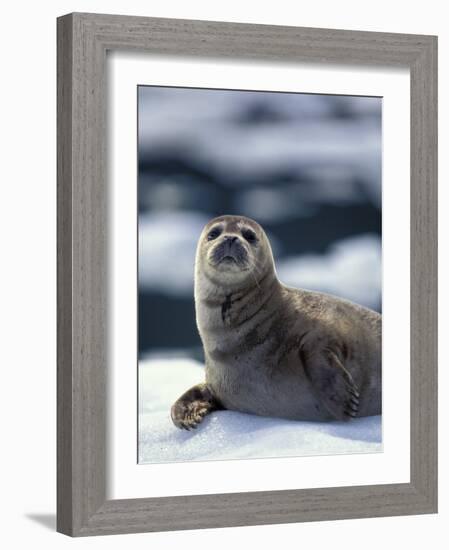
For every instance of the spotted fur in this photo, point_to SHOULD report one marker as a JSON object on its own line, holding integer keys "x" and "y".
{"x": 270, "y": 349}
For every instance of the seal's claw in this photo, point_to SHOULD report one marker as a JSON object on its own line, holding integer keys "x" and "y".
{"x": 185, "y": 415}
{"x": 191, "y": 408}
{"x": 353, "y": 405}
{"x": 334, "y": 384}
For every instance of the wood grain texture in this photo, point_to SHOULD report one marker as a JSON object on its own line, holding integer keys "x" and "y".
{"x": 423, "y": 274}
{"x": 64, "y": 277}
{"x": 83, "y": 40}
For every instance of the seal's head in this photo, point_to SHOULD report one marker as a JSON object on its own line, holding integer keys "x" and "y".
{"x": 233, "y": 249}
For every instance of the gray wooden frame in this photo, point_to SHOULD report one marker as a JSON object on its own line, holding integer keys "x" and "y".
{"x": 83, "y": 40}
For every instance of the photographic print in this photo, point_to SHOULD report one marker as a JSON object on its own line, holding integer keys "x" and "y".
{"x": 265, "y": 220}
{"x": 259, "y": 274}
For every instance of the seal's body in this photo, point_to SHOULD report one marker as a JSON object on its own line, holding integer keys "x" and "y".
{"x": 272, "y": 350}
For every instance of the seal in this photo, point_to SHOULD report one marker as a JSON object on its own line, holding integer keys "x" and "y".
{"x": 273, "y": 350}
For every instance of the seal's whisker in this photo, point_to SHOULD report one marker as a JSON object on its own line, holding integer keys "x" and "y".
{"x": 255, "y": 280}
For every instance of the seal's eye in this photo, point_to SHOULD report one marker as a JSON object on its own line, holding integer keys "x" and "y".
{"x": 249, "y": 235}
{"x": 214, "y": 233}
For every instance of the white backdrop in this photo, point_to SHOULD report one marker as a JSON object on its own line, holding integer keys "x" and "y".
{"x": 27, "y": 221}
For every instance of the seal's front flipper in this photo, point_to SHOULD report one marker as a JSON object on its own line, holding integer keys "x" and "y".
{"x": 333, "y": 384}
{"x": 193, "y": 405}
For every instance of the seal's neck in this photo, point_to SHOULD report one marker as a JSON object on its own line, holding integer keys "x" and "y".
{"x": 225, "y": 306}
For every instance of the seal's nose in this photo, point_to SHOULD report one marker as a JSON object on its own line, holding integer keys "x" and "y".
{"x": 230, "y": 239}
{"x": 230, "y": 242}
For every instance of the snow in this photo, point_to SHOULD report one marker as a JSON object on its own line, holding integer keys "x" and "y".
{"x": 300, "y": 131}
{"x": 167, "y": 239}
{"x": 232, "y": 435}
{"x": 351, "y": 268}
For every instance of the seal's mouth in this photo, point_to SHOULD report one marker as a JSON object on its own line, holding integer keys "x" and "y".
{"x": 228, "y": 260}
{"x": 230, "y": 252}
